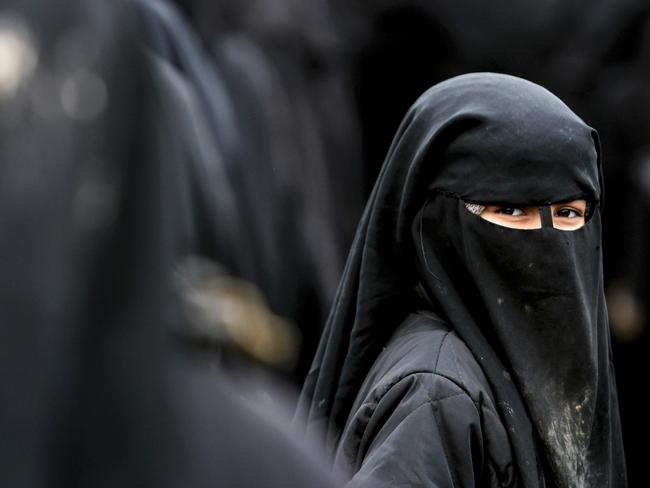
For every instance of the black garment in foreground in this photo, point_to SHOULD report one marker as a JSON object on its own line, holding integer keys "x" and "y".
{"x": 94, "y": 390}
{"x": 425, "y": 416}
{"x": 528, "y": 304}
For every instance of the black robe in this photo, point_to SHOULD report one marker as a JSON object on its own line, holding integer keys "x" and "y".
{"x": 529, "y": 304}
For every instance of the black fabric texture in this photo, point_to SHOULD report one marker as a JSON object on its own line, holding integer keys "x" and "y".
{"x": 425, "y": 416}
{"x": 528, "y": 303}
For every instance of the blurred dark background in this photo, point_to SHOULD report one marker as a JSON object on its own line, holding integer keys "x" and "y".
{"x": 259, "y": 126}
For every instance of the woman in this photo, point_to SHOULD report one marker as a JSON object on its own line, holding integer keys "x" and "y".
{"x": 468, "y": 344}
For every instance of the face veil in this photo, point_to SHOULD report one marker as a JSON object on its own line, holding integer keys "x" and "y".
{"x": 528, "y": 303}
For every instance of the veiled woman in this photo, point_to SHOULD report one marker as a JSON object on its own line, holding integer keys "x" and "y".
{"x": 468, "y": 344}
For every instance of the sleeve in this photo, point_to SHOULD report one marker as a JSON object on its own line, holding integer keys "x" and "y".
{"x": 424, "y": 432}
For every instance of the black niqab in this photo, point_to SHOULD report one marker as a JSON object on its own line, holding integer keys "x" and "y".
{"x": 528, "y": 303}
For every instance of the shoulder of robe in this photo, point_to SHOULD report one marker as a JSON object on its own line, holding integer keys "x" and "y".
{"x": 423, "y": 344}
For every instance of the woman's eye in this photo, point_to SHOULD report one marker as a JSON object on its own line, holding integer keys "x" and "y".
{"x": 513, "y": 211}
{"x": 568, "y": 213}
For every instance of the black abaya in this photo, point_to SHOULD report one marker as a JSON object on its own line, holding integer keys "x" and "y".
{"x": 528, "y": 303}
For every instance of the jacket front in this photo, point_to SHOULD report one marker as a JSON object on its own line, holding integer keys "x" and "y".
{"x": 425, "y": 416}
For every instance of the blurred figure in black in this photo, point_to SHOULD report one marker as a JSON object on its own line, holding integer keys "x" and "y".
{"x": 96, "y": 193}
{"x": 286, "y": 69}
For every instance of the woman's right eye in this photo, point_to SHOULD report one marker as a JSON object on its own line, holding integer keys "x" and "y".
{"x": 513, "y": 211}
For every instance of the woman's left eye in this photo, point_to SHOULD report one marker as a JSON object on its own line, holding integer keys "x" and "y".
{"x": 512, "y": 211}
{"x": 568, "y": 213}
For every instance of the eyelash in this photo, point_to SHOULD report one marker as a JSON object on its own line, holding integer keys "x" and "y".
{"x": 508, "y": 211}
{"x": 511, "y": 212}
{"x": 577, "y": 213}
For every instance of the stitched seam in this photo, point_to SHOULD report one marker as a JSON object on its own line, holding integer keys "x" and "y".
{"x": 442, "y": 344}
{"x": 454, "y": 359}
{"x": 441, "y": 431}
{"x": 445, "y": 449}
{"x": 398, "y": 380}
{"x": 430, "y": 401}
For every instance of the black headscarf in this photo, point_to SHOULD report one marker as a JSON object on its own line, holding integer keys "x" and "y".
{"x": 528, "y": 303}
